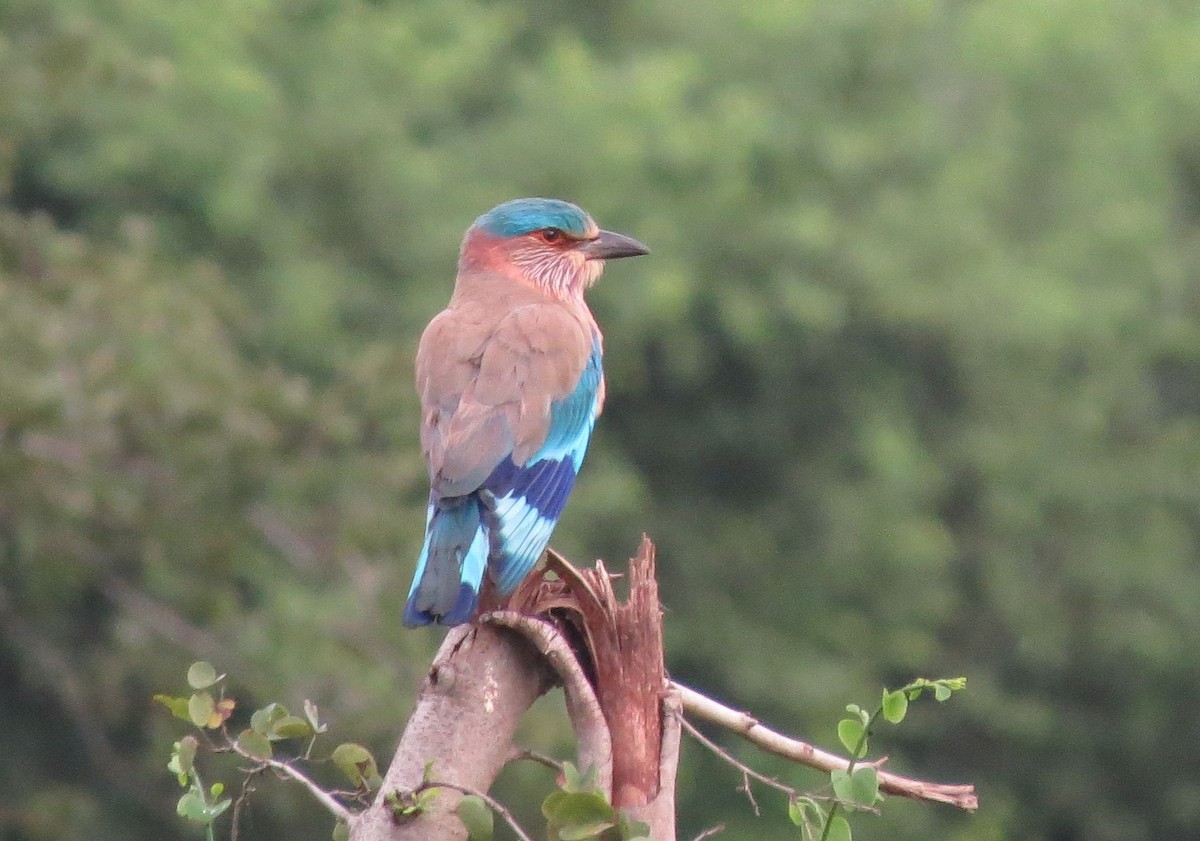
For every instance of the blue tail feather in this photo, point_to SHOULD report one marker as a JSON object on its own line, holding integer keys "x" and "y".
{"x": 450, "y": 568}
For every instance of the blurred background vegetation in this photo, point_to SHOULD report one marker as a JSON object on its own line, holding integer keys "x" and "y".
{"x": 910, "y": 385}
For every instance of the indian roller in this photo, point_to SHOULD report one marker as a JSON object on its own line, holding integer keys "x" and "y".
{"x": 511, "y": 383}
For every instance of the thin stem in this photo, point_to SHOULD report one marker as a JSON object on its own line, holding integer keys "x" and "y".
{"x": 322, "y": 796}
{"x": 533, "y": 756}
{"x": 749, "y": 789}
{"x": 859, "y": 747}
{"x": 493, "y": 804}
{"x": 746, "y": 770}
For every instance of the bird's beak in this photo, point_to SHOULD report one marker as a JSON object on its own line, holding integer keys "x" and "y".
{"x": 610, "y": 246}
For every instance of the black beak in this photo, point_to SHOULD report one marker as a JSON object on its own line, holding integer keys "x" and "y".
{"x": 610, "y": 246}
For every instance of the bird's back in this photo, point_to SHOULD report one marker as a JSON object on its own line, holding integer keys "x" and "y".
{"x": 489, "y": 367}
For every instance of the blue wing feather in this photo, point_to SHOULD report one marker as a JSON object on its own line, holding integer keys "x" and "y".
{"x": 526, "y": 501}
{"x": 504, "y": 525}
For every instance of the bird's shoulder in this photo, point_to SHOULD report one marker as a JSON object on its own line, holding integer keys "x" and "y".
{"x": 493, "y": 329}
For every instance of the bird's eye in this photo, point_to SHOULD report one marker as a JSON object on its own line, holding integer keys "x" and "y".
{"x": 550, "y": 235}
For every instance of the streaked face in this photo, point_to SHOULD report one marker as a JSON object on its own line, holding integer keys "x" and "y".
{"x": 540, "y": 238}
{"x": 550, "y": 243}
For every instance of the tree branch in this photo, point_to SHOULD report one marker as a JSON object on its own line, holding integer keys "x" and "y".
{"x": 748, "y": 773}
{"x": 659, "y": 813}
{"x": 583, "y": 708}
{"x": 771, "y": 741}
{"x": 481, "y": 682}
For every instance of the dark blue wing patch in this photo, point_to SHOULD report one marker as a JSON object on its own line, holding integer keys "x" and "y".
{"x": 526, "y": 501}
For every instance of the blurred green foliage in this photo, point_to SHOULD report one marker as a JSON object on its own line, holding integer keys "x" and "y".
{"x": 910, "y": 385}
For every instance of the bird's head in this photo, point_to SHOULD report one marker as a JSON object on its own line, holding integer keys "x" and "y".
{"x": 549, "y": 243}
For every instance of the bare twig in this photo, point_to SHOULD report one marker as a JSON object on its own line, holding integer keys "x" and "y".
{"x": 495, "y": 805}
{"x": 517, "y": 754}
{"x": 771, "y": 741}
{"x": 286, "y": 770}
{"x": 748, "y": 790}
{"x": 239, "y": 804}
{"x": 711, "y": 831}
{"x": 728, "y": 757}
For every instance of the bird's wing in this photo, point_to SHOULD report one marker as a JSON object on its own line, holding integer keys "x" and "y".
{"x": 527, "y": 497}
{"x": 487, "y": 384}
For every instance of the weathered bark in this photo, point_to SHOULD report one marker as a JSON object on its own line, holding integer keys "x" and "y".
{"x": 626, "y": 648}
{"x": 481, "y": 682}
{"x": 487, "y": 674}
{"x": 592, "y": 737}
{"x": 659, "y": 812}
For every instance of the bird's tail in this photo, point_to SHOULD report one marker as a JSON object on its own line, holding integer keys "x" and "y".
{"x": 445, "y": 587}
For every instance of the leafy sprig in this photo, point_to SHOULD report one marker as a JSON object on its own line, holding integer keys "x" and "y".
{"x": 856, "y": 788}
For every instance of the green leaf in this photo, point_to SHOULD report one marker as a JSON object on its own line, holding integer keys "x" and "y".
{"x": 840, "y": 781}
{"x": 402, "y": 803}
{"x": 193, "y": 807}
{"x": 217, "y": 789}
{"x": 177, "y": 706}
{"x": 264, "y": 720}
{"x": 406, "y": 804}
{"x": 942, "y": 688}
{"x": 202, "y": 675}
{"x": 218, "y": 808}
{"x": 632, "y": 830}
{"x": 864, "y": 785}
{"x": 863, "y": 715}
{"x": 839, "y": 829}
{"x": 796, "y": 813}
{"x": 804, "y": 811}
{"x": 200, "y": 709}
{"x": 290, "y": 727}
{"x": 255, "y": 744}
{"x": 310, "y": 713}
{"x": 571, "y": 781}
{"x": 895, "y": 706}
{"x": 584, "y": 831}
{"x": 341, "y": 831}
{"x": 578, "y": 815}
{"x": 850, "y": 732}
{"x": 357, "y": 763}
{"x": 183, "y": 755}
{"x": 858, "y": 788}
{"x": 476, "y": 817}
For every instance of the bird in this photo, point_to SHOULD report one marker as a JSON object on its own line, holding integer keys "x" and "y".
{"x": 511, "y": 380}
